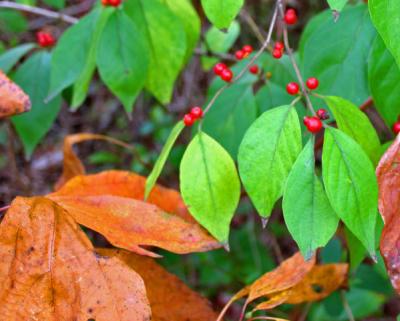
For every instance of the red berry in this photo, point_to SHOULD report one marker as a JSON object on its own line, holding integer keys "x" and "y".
{"x": 277, "y": 54}
{"x": 105, "y": 2}
{"x": 279, "y": 46}
{"x": 247, "y": 49}
{"x": 188, "y": 120}
{"x": 322, "y": 114}
{"x": 290, "y": 16}
{"x": 292, "y": 88}
{"x": 313, "y": 124}
{"x": 196, "y": 112}
{"x": 218, "y": 68}
{"x": 114, "y": 3}
{"x": 254, "y": 69}
{"x": 396, "y": 128}
{"x": 227, "y": 75}
{"x": 312, "y": 83}
{"x": 239, "y": 54}
{"x": 45, "y": 39}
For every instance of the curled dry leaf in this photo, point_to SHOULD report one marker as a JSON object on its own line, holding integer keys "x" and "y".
{"x": 13, "y": 100}
{"x": 49, "y": 271}
{"x": 320, "y": 282}
{"x": 72, "y": 165}
{"x": 170, "y": 298}
{"x": 388, "y": 174}
{"x": 111, "y": 204}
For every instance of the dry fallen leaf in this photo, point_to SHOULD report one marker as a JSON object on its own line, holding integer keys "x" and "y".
{"x": 13, "y": 100}
{"x": 170, "y": 299}
{"x": 49, "y": 271}
{"x": 388, "y": 174}
{"x": 285, "y": 276}
{"x": 72, "y": 165}
{"x": 320, "y": 282}
{"x": 106, "y": 203}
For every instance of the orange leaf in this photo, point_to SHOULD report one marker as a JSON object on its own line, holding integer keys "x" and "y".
{"x": 49, "y": 271}
{"x": 388, "y": 174}
{"x": 106, "y": 203}
{"x": 72, "y": 165}
{"x": 170, "y": 299}
{"x": 320, "y": 282}
{"x": 13, "y": 100}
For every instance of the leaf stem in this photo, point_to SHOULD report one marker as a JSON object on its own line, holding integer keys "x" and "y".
{"x": 346, "y": 306}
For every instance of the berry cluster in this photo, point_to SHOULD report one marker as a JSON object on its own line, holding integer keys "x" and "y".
{"x": 222, "y": 70}
{"x": 194, "y": 114}
{"x": 293, "y": 88}
{"x": 290, "y": 17}
{"x": 314, "y": 123}
{"x": 45, "y": 39}
{"x": 244, "y": 52}
{"x": 278, "y": 50}
{"x": 111, "y": 3}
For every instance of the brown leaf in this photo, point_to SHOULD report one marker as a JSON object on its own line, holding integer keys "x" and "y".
{"x": 49, "y": 271}
{"x": 106, "y": 203}
{"x": 170, "y": 299}
{"x": 72, "y": 165}
{"x": 320, "y": 282}
{"x": 388, "y": 174}
{"x": 13, "y": 100}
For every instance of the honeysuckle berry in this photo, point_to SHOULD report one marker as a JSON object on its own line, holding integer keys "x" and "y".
{"x": 45, "y": 39}
{"x": 227, "y": 75}
{"x": 312, "y": 83}
{"x": 196, "y": 112}
{"x": 290, "y": 17}
{"x": 188, "y": 120}
{"x": 292, "y": 88}
{"x": 239, "y": 54}
{"x": 219, "y": 68}
{"x": 279, "y": 46}
{"x": 277, "y": 54}
{"x": 254, "y": 69}
{"x": 247, "y": 49}
{"x": 396, "y": 127}
{"x": 112, "y": 3}
{"x": 313, "y": 124}
{"x": 322, "y": 114}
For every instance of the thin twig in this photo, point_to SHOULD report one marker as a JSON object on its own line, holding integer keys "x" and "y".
{"x": 210, "y": 53}
{"x": 266, "y": 318}
{"x": 346, "y": 306}
{"x": 304, "y": 314}
{"x": 38, "y": 11}
{"x": 251, "y": 62}
{"x": 253, "y": 26}
{"x": 4, "y": 208}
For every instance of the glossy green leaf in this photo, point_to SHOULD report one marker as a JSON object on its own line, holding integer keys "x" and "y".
{"x": 384, "y": 81}
{"x": 382, "y": 12}
{"x": 34, "y": 77}
{"x": 352, "y": 121}
{"x": 337, "y": 5}
{"x": 122, "y": 62}
{"x": 166, "y": 39}
{"x": 266, "y": 155}
{"x": 190, "y": 20}
{"x": 159, "y": 165}
{"x": 308, "y": 214}
{"x": 222, "y": 12}
{"x": 72, "y": 63}
{"x": 337, "y": 52}
{"x": 12, "y": 56}
{"x": 351, "y": 186}
{"x": 210, "y": 185}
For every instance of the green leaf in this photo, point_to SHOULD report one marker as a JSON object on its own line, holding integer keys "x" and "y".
{"x": 12, "y": 21}
{"x": 167, "y": 42}
{"x": 308, "y": 214}
{"x": 387, "y": 26}
{"x": 123, "y": 62}
{"x": 12, "y": 56}
{"x": 337, "y": 52}
{"x": 351, "y": 186}
{"x": 190, "y": 20}
{"x": 337, "y": 5}
{"x": 266, "y": 155}
{"x": 210, "y": 185}
{"x": 58, "y": 4}
{"x": 222, "y": 12}
{"x": 73, "y": 59}
{"x": 352, "y": 121}
{"x": 159, "y": 165}
{"x": 384, "y": 81}
{"x": 34, "y": 76}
